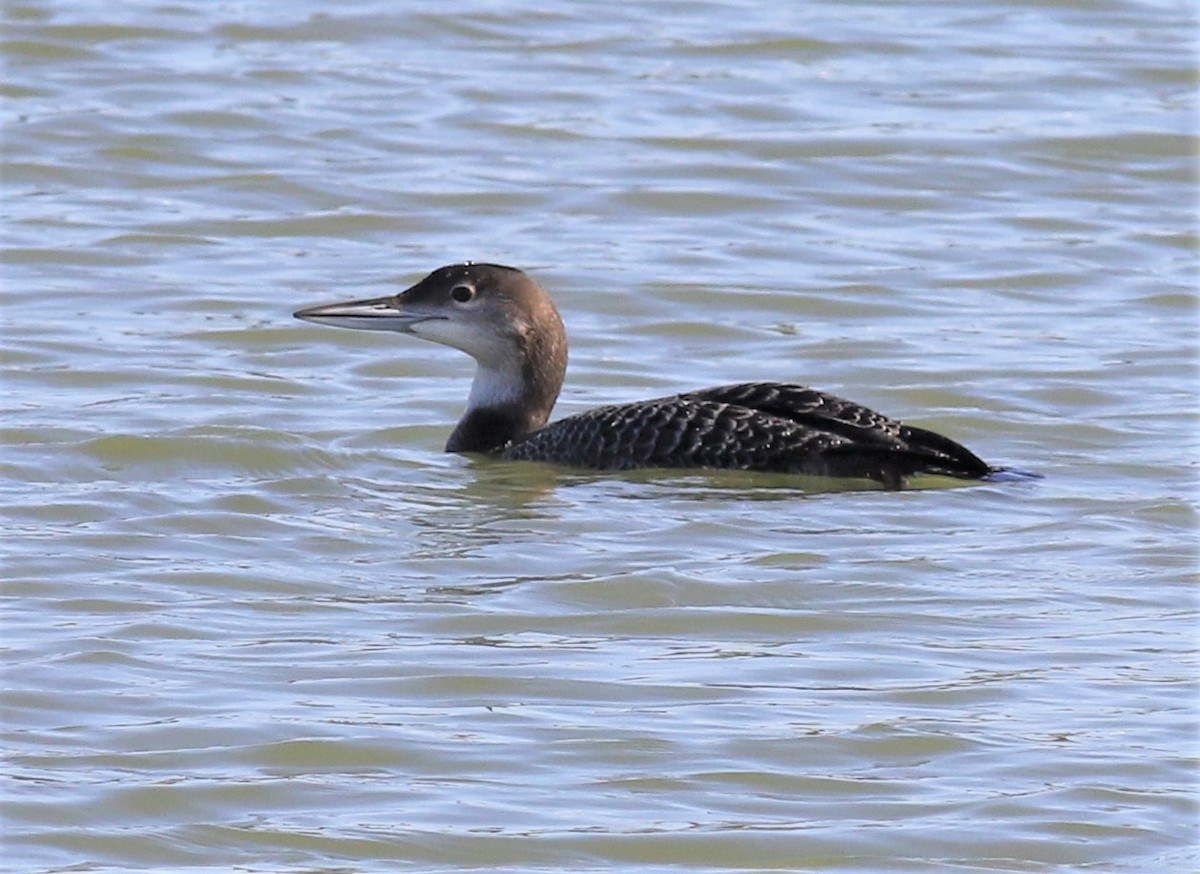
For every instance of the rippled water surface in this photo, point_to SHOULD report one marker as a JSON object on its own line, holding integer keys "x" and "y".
{"x": 255, "y": 619}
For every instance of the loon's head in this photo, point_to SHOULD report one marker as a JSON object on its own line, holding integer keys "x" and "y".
{"x": 498, "y": 315}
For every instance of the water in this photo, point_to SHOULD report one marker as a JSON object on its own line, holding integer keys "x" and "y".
{"x": 255, "y": 619}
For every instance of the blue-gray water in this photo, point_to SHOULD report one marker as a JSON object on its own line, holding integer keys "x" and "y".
{"x": 255, "y": 619}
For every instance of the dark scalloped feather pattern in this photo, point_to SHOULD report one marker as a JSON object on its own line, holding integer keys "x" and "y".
{"x": 752, "y": 426}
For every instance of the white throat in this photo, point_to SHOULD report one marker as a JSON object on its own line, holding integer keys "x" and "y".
{"x": 496, "y": 387}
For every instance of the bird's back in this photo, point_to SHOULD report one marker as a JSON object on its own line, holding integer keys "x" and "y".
{"x": 776, "y": 427}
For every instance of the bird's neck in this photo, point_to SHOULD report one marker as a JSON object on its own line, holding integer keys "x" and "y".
{"x": 508, "y": 401}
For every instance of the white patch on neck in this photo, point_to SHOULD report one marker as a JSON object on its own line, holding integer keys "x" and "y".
{"x": 495, "y": 387}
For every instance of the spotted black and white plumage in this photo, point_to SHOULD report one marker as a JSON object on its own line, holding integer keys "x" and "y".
{"x": 507, "y": 322}
{"x": 773, "y": 427}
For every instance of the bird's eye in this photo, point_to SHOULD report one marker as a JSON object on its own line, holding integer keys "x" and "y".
{"x": 462, "y": 293}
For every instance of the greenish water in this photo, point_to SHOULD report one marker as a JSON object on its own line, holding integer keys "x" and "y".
{"x": 255, "y": 619}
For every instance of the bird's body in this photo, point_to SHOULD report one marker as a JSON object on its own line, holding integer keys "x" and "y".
{"x": 774, "y": 427}
{"x": 508, "y": 323}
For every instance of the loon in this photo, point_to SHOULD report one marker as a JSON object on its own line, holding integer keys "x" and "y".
{"x": 507, "y": 322}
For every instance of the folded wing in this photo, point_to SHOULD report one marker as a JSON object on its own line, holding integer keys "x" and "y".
{"x": 775, "y": 427}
